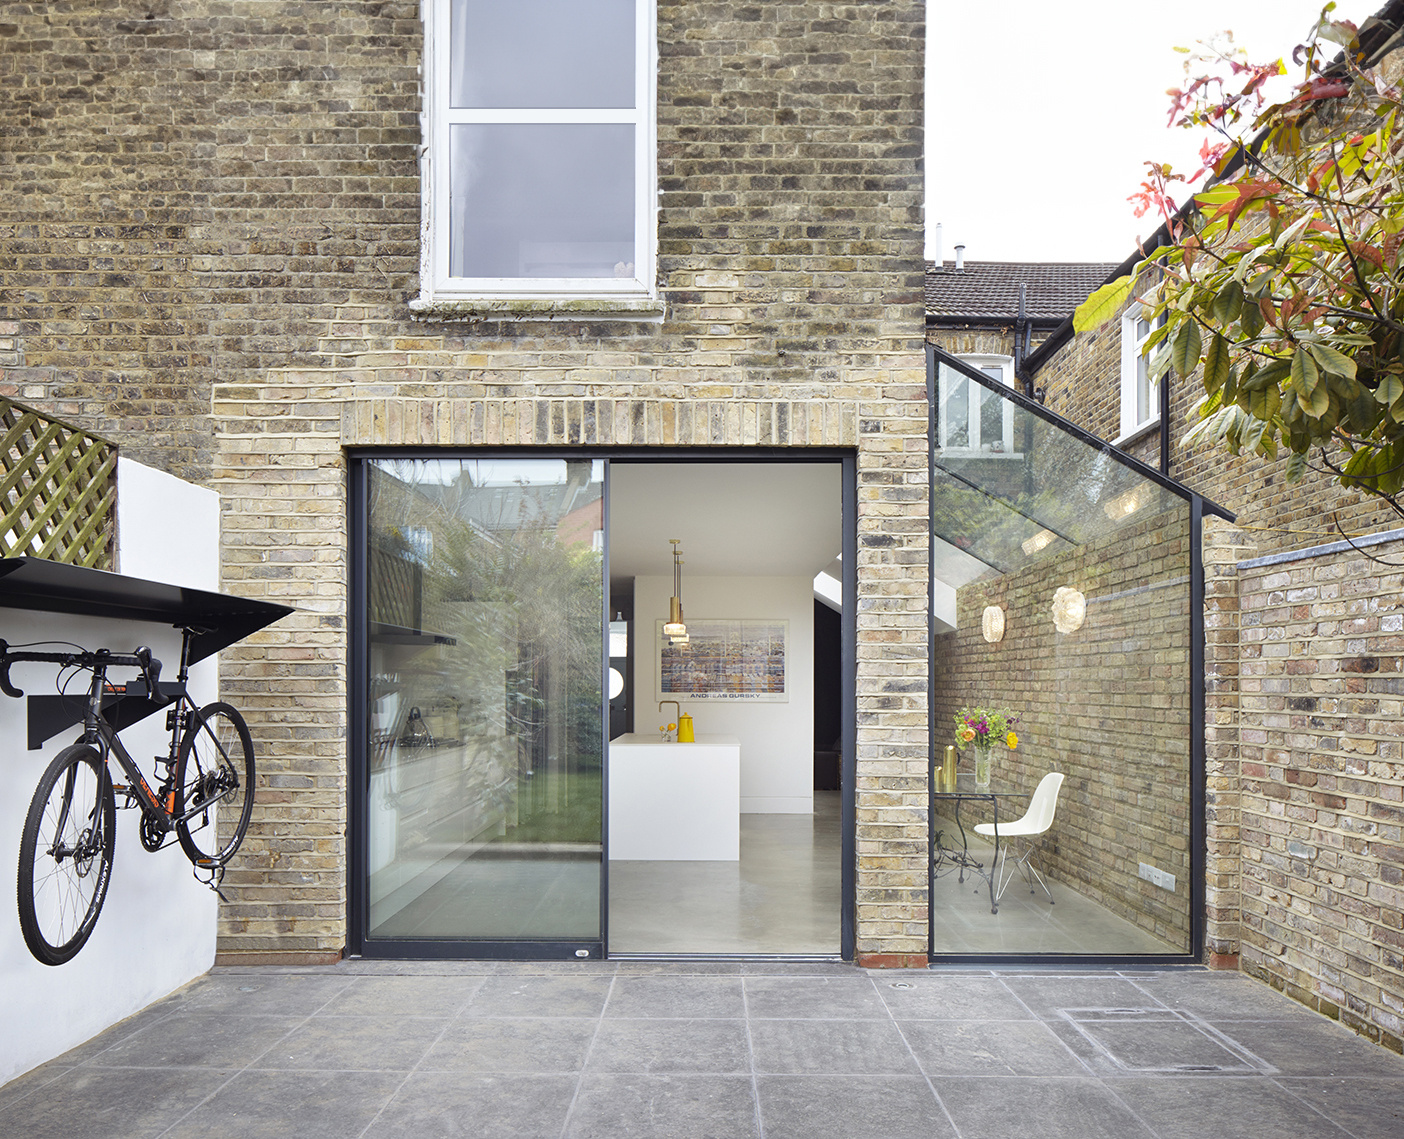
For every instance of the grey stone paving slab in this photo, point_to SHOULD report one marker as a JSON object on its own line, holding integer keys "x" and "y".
{"x": 354, "y": 1043}
{"x": 259, "y": 1105}
{"x": 813, "y": 1047}
{"x": 529, "y": 1044}
{"x": 98, "y": 1103}
{"x": 677, "y": 997}
{"x": 1229, "y": 1108}
{"x": 258, "y": 995}
{"x": 943, "y": 996}
{"x": 989, "y": 1048}
{"x": 33, "y": 1080}
{"x": 1000, "y": 1108}
{"x": 671, "y": 1046}
{"x": 528, "y": 995}
{"x": 1221, "y": 996}
{"x": 664, "y": 1107}
{"x": 852, "y": 1107}
{"x": 403, "y": 996}
{"x": 853, "y": 996}
{"x": 199, "y": 1040}
{"x": 1318, "y": 1048}
{"x": 147, "y": 1018}
{"x": 1369, "y": 1108}
{"x": 456, "y": 1105}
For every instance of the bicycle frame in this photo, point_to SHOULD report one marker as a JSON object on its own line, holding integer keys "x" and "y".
{"x": 158, "y": 807}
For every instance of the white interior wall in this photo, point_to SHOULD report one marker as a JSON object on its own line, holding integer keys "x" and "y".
{"x": 777, "y": 740}
{"x": 157, "y": 928}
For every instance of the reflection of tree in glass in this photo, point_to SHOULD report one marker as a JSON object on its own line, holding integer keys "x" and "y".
{"x": 513, "y": 580}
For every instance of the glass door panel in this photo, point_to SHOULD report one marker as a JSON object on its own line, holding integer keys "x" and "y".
{"x": 485, "y": 587}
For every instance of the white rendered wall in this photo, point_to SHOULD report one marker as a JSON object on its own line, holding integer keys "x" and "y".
{"x": 777, "y": 740}
{"x": 157, "y": 929}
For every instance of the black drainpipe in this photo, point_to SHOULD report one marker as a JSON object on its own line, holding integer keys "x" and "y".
{"x": 1021, "y": 345}
{"x": 1165, "y": 422}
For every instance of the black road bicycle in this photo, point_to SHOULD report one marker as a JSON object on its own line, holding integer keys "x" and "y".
{"x": 204, "y": 797}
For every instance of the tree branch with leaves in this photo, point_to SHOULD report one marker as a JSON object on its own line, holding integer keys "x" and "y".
{"x": 1281, "y": 284}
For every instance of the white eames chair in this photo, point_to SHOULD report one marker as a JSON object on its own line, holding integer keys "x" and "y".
{"x": 1036, "y": 821}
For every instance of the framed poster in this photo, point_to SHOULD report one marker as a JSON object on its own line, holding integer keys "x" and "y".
{"x": 741, "y": 659}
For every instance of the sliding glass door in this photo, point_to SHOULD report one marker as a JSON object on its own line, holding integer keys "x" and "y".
{"x": 483, "y": 594}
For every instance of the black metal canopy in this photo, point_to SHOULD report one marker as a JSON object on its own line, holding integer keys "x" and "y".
{"x": 221, "y": 618}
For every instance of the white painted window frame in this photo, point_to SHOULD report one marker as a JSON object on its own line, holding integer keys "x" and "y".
{"x": 439, "y": 290}
{"x": 980, "y": 362}
{"x": 1132, "y": 361}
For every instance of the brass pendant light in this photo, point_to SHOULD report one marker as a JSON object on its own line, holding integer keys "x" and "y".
{"x": 674, "y": 628}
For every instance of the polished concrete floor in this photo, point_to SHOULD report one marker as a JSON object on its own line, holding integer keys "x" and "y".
{"x": 726, "y": 1050}
{"x": 782, "y": 898}
{"x": 1026, "y": 921}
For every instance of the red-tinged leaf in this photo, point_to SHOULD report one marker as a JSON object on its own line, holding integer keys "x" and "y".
{"x": 1370, "y": 253}
{"x": 1312, "y": 315}
{"x": 1248, "y": 193}
{"x": 1269, "y": 314}
{"x": 1324, "y": 88}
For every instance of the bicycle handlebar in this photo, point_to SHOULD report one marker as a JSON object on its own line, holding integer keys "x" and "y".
{"x": 140, "y": 659}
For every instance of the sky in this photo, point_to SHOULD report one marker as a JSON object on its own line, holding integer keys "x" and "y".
{"x": 1042, "y": 113}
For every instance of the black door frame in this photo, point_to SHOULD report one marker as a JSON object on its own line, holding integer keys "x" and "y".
{"x": 358, "y": 941}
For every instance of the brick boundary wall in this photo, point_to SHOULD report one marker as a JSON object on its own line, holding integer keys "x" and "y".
{"x": 1321, "y": 829}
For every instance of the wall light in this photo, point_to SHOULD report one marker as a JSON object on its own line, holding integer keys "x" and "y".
{"x": 992, "y": 624}
{"x": 1069, "y": 610}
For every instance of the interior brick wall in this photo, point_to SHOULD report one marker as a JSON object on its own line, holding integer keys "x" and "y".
{"x": 1107, "y": 705}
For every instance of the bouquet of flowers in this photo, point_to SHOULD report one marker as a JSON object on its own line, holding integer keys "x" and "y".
{"x": 981, "y": 727}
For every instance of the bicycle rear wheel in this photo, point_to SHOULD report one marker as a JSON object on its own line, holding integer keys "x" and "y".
{"x": 65, "y": 859}
{"x": 214, "y": 773}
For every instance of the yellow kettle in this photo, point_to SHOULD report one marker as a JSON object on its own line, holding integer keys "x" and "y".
{"x": 685, "y": 735}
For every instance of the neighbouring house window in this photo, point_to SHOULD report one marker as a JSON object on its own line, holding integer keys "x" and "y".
{"x": 539, "y": 171}
{"x": 973, "y": 418}
{"x": 1140, "y": 402}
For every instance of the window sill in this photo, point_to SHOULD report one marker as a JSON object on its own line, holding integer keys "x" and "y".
{"x": 969, "y": 453}
{"x": 1137, "y": 433}
{"x": 479, "y": 309}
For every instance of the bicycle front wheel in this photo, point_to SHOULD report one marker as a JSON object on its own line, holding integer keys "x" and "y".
{"x": 65, "y": 859}
{"x": 214, "y": 785}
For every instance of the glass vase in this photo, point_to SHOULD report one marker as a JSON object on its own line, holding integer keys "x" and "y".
{"x": 982, "y": 768}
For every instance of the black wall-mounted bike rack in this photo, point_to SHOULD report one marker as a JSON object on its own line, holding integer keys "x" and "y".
{"x": 37, "y": 585}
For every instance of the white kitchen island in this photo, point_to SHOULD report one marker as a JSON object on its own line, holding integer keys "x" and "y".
{"x": 675, "y": 802}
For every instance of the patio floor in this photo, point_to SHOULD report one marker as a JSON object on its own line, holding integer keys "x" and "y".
{"x": 724, "y": 1050}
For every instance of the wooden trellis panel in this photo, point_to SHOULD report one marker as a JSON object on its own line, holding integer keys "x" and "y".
{"x": 58, "y": 489}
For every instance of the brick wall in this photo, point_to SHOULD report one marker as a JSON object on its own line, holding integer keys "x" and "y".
{"x": 211, "y": 235}
{"x": 1322, "y": 799}
{"x": 1107, "y": 705}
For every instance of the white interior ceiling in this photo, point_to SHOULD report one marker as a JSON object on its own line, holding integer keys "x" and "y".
{"x": 734, "y": 519}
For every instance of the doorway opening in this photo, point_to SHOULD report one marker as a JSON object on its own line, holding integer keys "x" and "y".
{"x": 732, "y": 844}
{"x": 508, "y": 668}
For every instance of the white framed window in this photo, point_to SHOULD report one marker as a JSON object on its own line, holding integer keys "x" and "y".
{"x": 973, "y": 418}
{"x": 1140, "y": 395}
{"x": 538, "y": 169}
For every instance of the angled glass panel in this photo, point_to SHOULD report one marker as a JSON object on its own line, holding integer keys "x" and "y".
{"x": 1061, "y": 593}
{"x": 486, "y": 635}
{"x": 1046, "y": 491}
